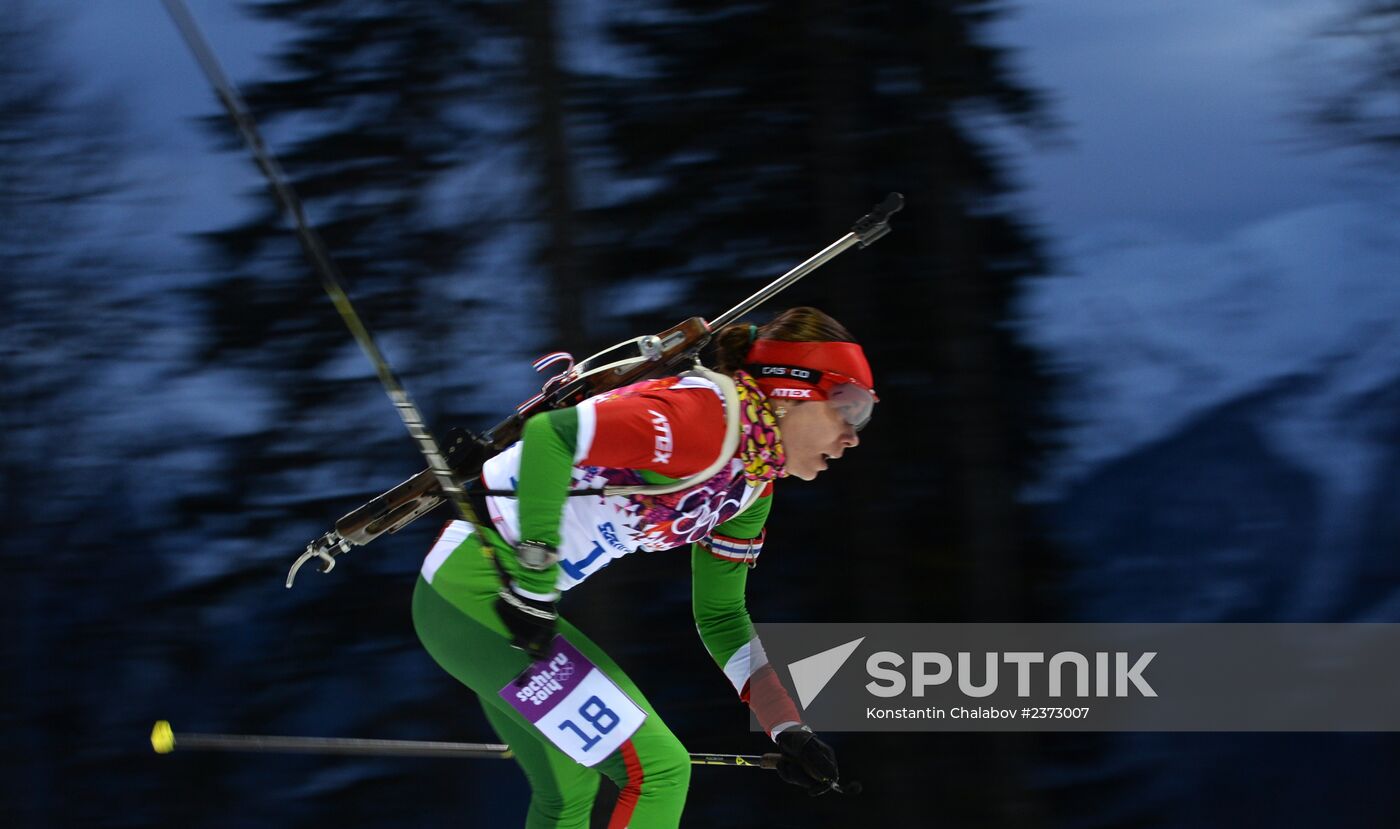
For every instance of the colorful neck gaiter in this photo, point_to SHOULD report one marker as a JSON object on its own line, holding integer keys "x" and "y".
{"x": 761, "y": 449}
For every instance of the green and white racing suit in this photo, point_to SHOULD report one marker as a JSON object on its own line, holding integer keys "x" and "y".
{"x": 654, "y": 432}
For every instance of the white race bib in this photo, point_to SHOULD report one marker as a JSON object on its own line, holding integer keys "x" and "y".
{"x": 574, "y": 704}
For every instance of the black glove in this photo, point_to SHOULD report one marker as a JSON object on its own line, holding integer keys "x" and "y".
{"x": 464, "y": 452}
{"x": 531, "y": 622}
{"x": 806, "y": 761}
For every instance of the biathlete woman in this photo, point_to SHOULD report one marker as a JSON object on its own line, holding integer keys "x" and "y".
{"x": 688, "y": 460}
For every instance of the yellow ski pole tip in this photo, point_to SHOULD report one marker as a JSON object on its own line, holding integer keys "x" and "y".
{"x": 162, "y": 738}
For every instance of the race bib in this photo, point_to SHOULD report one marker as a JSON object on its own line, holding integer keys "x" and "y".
{"x": 574, "y": 704}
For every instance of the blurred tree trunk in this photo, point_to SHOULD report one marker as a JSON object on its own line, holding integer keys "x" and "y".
{"x": 554, "y": 203}
{"x": 553, "y": 188}
{"x": 976, "y": 436}
{"x": 975, "y": 417}
{"x": 841, "y": 191}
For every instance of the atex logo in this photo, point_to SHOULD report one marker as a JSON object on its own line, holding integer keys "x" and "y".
{"x": 1065, "y": 673}
{"x": 664, "y": 446}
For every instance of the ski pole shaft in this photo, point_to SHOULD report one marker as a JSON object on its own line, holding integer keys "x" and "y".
{"x": 762, "y": 761}
{"x": 321, "y": 262}
{"x": 165, "y": 741}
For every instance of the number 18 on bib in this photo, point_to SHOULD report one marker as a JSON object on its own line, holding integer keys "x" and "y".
{"x": 574, "y": 704}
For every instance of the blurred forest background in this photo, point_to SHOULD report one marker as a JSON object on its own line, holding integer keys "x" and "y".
{"x": 502, "y": 179}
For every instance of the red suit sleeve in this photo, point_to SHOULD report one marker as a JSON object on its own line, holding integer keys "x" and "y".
{"x": 676, "y": 432}
{"x": 769, "y": 700}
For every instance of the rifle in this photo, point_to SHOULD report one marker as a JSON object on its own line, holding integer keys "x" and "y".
{"x": 631, "y": 361}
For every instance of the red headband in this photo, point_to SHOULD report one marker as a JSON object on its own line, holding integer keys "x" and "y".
{"x": 811, "y": 368}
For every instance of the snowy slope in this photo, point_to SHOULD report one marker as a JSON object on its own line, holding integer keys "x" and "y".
{"x": 1159, "y": 328}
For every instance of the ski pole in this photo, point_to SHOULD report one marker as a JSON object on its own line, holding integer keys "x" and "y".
{"x": 165, "y": 741}
{"x": 326, "y": 270}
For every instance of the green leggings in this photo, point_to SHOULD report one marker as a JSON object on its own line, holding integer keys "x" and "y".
{"x": 459, "y": 628}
